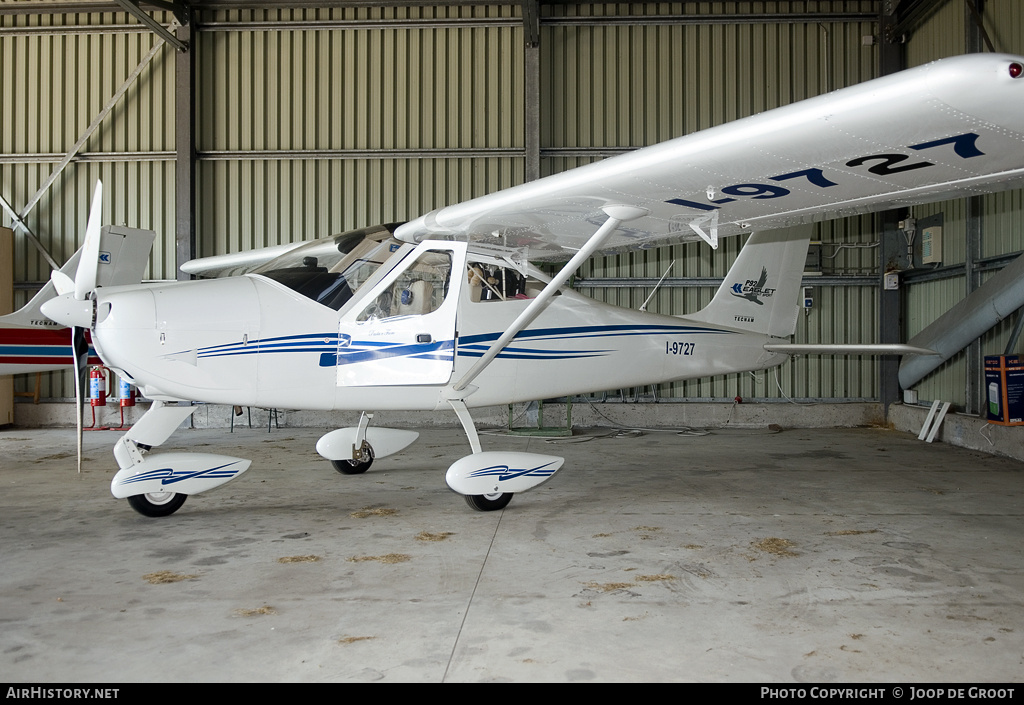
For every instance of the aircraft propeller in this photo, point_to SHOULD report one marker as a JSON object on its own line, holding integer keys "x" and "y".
{"x": 76, "y": 304}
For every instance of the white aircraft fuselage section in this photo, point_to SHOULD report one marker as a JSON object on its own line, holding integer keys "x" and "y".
{"x": 582, "y": 347}
{"x": 266, "y": 345}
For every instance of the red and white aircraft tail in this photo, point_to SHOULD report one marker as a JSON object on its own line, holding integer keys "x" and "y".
{"x": 31, "y": 342}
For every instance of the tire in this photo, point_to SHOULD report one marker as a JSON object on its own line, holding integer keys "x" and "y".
{"x": 157, "y": 504}
{"x": 489, "y": 502}
{"x": 352, "y": 467}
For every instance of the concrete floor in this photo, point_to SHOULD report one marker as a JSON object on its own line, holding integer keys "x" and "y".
{"x": 801, "y": 556}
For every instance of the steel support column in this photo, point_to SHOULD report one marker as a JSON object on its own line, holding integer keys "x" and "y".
{"x": 890, "y": 301}
{"x": 894, "y": 246}
{"x": 185, "y": 146}
{"x": 975, "y": 205}
{"x": 531, "y": 89}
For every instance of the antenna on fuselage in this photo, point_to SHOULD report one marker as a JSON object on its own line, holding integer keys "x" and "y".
{"x": 643, "y": 306}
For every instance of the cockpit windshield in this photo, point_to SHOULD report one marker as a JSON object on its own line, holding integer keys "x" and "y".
{"x": 331, "y": 269}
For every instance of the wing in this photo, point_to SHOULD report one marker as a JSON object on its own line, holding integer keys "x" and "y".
{"x": 235, "y": 263}
{"x": 951, "y": 128}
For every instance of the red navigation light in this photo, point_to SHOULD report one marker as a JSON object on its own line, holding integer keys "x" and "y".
{"x": 1016, "y": 70}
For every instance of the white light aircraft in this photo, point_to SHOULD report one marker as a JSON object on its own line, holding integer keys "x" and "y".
{"x": 447, "y": 313}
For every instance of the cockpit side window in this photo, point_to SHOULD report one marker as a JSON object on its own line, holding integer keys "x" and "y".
{"x": 492, "y": 282}
{"x": 327, "y": 288}
{"x": 330, "y": 270}
{"x": 419, "y": 290}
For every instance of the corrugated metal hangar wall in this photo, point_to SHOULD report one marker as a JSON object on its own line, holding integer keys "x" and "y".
{"x": 308, "y": 121}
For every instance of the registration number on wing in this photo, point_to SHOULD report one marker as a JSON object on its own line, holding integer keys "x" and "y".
{"x": 963, "y": 146}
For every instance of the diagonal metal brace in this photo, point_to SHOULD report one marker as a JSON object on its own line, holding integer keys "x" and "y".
{"x": 18, "y": 220}
{"x": 132, "y": 7}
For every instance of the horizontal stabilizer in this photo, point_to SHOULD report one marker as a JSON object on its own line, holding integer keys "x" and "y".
{"x": 840, "y": 349}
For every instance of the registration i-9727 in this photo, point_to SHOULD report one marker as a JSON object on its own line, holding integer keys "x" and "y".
{"x": 677, "y": 348}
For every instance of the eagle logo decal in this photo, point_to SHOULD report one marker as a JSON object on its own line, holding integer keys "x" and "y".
{"x": 754, "y": 290}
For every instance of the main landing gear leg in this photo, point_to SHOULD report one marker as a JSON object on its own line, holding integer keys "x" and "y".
{"x": 482, "y": 474}
{"x": 487, "y": 502}
{"x": 352, "y": 450}
{"x": 362, "y": 452}
{"x": 155, "y": 426}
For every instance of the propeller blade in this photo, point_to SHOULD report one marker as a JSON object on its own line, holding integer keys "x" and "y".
{"x": 88, "y": 264}
{"x": 62, "y": 282}
{"x": 80, "y": 349}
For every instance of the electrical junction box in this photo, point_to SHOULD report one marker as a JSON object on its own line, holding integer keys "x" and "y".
{"x": 931, "y": 245}
{"x": 1004, "y": 383}
{"x": 891, "y": 281}
{"x": 812, "y": 266}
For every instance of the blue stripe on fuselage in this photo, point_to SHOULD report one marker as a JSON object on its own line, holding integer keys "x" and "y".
{"x": 354, "y": 352}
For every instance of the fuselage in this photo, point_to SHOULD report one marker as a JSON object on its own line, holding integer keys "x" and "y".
{"x": 250, "y": 340}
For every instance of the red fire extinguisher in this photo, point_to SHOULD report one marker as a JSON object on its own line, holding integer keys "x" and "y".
{"x": 97, "y": 387}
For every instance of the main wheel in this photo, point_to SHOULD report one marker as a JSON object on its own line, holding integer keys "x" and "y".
{"x": 489, "y": 502}
{"x": 352, "y": 467}
{"x": 358, "y": 465}
{"x": 157, "y": 504}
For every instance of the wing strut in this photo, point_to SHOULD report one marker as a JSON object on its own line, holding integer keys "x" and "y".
{"x": 847, "y": 349}
{"x": 616, "y": 216}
